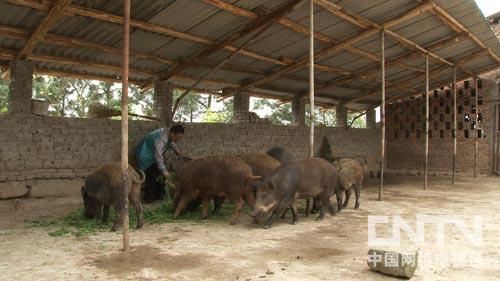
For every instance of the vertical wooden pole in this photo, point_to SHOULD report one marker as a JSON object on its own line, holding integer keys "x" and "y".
{"x": 476, "y": 117}
{"x": 311, "y": 76}
{"x": 382, "y": 115}
{"x": 426, "y": 172}
{"x": 455, "y": 131}
{"x": 124, "y": 121}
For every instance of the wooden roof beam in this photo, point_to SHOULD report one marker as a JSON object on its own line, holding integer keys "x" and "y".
{"x": 249, "y": 28}
{"x": 325, "y": 52}
{"x": 453, "y": 23}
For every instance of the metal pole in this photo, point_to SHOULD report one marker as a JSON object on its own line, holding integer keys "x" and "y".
{"x": 311, "y": 76}
{"x": 382, "y": 116}
{"x": 426, "y": 121}
{"x": 454, "y": 135}
{"x": 124, "y": 121}
{"x": 477, "y": 126}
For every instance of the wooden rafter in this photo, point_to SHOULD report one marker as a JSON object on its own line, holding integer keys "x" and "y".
{"x": 299, "y": 29}
{"x": 410, "y": 81}
{"x": 453, "y": 23}
{"x": 329, "y": 50}
{"x": 60, "y": 40}
{"x": 407, "y": 56}
{"x": 251, "y": 27}
{"x": 54, "y": 15}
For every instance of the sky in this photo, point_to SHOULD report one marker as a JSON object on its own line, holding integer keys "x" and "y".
{"x": 489, "y": 7}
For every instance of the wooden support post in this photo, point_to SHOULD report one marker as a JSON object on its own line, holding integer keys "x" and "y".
{"x": 124, "y": 121}
{"x": 382, "y": 115}
{"x": 476, "y": 117}
{"x": 311, "y": 77}
{"x": 454, "y": 124}
{"x": 426, "y": 121}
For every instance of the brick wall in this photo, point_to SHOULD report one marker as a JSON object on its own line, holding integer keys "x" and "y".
{"x": 406, "y": 133}
{"x": 42, "y": 147}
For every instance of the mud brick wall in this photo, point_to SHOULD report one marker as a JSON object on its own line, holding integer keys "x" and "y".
{"x": 42, "y": 147}
{"x": 406, "y": 130}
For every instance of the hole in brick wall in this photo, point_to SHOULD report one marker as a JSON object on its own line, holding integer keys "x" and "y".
{"x": 435, "y": 110}
{"x": 473, "y": 125}
{"x": 466, "y": 84}
{"x": 430, "y": 134}
{"x": 467, "y": 102}
{"x": 460, "y": 92}
{"x": 423, "y": 110}
{"x": 412, "y": 125}
{"x": 466, "y": 117}
{"x": 453, "y": 134}
{"x": 448, "y": 93}
{"x": 441, "y": 134}
{"x": 480, "y": 134}
{"x": 436, "y": 93}
{"x": 442, "y": 88}
{"x": 419, "y": 134}
{"x": 466, "y": 134}
{"x": 447, "y": 109}
{"x": 448, "y": 125}
{"x": 473, "y": 108}
{"x": 395, "y": 134}
{"x": 480, "y": 117}
{"x": 407, "y": 118}
{"x": 436, "y": 125}
{"x": 401, "y": 126}
{"x": 472, "y": 92}
{"x": 498, "y": 90}
{"x": 460, "y": 125}
{"x": 407, "y": 134}
{"x": 480, "y": 84}
{"x": 460, "y": 109}
{"x": 452, "y": 116}
{"x": 441, "y": 117}
{"x": 441, "y": 102}
{"x": 480, "y": 101}
{"x": 423, "y": 125}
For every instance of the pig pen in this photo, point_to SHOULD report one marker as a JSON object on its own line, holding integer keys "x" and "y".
{"x": 332, "y": 249}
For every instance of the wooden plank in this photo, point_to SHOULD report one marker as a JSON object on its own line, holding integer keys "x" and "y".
{"x": 455, "y": 131}
{"x": 311, "y": 79}
{"x": 426, "y": 148}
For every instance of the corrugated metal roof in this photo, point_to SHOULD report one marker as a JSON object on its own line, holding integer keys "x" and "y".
{"x": 197, "y": 18}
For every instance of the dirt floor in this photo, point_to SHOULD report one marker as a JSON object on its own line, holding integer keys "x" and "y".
{"x": 333, "y": 249}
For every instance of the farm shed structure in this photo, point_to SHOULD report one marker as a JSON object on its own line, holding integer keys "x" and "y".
{"x": 183, "y": 44}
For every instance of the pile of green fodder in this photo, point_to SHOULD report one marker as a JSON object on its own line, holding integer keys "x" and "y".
{"x": 76, "y": 224}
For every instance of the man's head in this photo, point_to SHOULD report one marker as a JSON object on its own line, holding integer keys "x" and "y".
{"x": 176, "y": 132}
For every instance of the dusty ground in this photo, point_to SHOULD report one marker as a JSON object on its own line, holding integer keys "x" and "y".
{"x": 333, "y": 249}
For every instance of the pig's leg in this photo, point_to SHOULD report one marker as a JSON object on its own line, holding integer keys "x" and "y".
{"x": 105, "y": 214}
{"x": 347, "y": 197}
{"x": 238, "y": 205}
{"x": 295, "y": 214}
{"x": 218, "y": 201}
{"x": 249, "y": 199}
{"x": 326, "y": 205}
{"x": 357, "y": 191}
{"x": 136, "y": 202}
{"x": 340, "y": 195}
{"x": 283, "y": 215}
{"x": 98, "y": 215}
{"x": 308, "y": 205}
{"x": 181, "y": 205}
{"x": 271, "y": 219}
{"x": 205, "y": 203}
{"x": 315, "y": 207}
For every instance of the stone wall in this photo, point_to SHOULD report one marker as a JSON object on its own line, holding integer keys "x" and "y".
{"x": 406, "y": 131}
{"x": 43, "y": 147}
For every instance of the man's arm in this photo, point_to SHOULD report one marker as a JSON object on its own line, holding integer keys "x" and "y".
{"x": 160, "y": 162}
{"x": 175, "y": 148}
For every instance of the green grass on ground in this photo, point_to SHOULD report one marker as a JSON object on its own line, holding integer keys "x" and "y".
{"x": 76, "y": 224}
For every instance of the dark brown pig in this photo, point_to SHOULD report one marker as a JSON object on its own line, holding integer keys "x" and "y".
{"x": 261, "y": 164}
{"x": 280, "y": 154}
{"x": 303, "y": 178}
{"x": 104, "y": 187}
{"x": 212, "y": 176}
{"x": 351, "y": 174}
